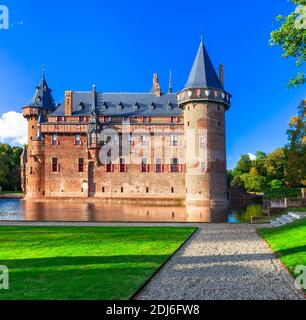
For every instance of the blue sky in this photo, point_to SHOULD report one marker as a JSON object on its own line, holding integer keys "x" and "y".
{"x": 119, "y": 44}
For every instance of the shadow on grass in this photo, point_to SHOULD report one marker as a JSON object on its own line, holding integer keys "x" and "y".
{"x": 79, "y": 278}
{"x": 290, "y": 251}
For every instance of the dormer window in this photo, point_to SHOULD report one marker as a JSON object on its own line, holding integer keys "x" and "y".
{"x": 82, "y": 105}
{"x": 82, "y": 119}
{"x": 61, "y": 119}
{"x": 152, "y": 107}
{"x": 104, "y": 106}
{"x": 136, "y": 106}
{"x": 169, "y": 106}
{"x": 120, "y": 106}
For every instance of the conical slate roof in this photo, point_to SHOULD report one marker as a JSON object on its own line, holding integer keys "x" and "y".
{"x": 43, "y": 96}
{"x": 203, "y": 73}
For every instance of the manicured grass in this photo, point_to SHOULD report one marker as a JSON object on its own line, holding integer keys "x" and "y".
{"x": 97, "y": 263}
{"x": 289, "y": 243}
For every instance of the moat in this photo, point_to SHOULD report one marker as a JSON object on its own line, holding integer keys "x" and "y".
{"x": 19, "y": 210}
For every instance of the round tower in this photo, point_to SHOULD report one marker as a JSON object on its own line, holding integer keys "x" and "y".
{"x": 33, "y": 160}
{"x": 205, "y": 102}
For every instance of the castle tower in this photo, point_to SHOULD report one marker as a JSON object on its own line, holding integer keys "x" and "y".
{"x": 33, "y": 166}
{"x": 205, "y": 102}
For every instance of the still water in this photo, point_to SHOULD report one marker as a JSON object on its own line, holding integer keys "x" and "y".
{"x": 18, "y": 210}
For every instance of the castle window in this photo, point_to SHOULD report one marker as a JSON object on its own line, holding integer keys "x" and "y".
{"x": 147, "y": 190}
{"x": 109, "y": 167}
{"x": 203, "y": 142}
{"x": 122, "y": 166}
{"x": 81, "y": 165}
{"x": 218, "y": 124}
{"x": 159, "y": 168}
{"x": 82, "y": 119}
{"x": 144, "y": 166}
{"x": 55, "y": 167}
{"x": 174, "y": 119}
{"x": 31, "y": 171}
{"x": 188, "y": 124}
{"x": 172, "y": 190}
{"x": 54, "y": 139}
{"x": 146, "y": 120}
{"x": 175, "y": 167}
{"x": 203, "y": 167}
{"x": 103, "y": 189}
{"x": 77, "y": 140}
{"x": 174, "y": 141}
{"x": 93, "y": 139}
{"x": 144, "y": 140}
{"x": 122, "y": 190}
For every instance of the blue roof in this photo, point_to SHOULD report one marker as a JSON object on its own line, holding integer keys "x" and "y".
{"x": 123, "y": 105}
{"x": 203, "y": 73}
{"x": 43, "y": 96}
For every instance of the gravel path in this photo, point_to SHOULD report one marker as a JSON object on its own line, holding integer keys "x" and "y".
{"x": 223, "y": 262}
{"x": 220, "y": 262}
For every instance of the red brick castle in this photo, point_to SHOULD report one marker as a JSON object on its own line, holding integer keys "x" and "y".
{"x": 63, "y": 157}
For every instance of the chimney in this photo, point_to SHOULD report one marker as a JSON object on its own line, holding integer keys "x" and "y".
{"x": 221, "y": 74}
{"x": 68, "y": 103}
{"x": 156, "y": 85}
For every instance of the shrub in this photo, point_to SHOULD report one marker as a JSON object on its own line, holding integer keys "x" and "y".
{"x": 282, "y": 193}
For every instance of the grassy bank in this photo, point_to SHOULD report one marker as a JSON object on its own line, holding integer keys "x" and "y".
{"x": 84, "y": 263}
{"x": 289, "y": 243}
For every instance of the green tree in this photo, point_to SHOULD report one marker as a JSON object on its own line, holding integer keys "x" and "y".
{"x": 238, "y": 183}
{"x": 10, "y": 167}
{"x": 291, "y": 37}
{"x": 276, "y": 184}
{"x": 243, "y": 166}
{"x": 253, "y": 182}
{"x": 275, "y": 165}
{"x": 296, "y": 149}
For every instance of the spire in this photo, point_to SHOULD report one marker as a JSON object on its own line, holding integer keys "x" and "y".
{"x": 43, "y": 95}
{"x": 203, "y": 74}
{"x": 170, "y": 82}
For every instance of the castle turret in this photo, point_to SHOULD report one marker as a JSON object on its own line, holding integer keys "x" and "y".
{"x": 205, "y": 102}
{"x": 34, "y": 165}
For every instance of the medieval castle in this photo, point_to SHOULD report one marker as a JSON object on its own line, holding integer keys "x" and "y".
{"x": 62, "y": 160}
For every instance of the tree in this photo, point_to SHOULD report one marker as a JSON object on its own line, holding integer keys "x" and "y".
{"x": 237, "y": 183}
{"x": 10, "y": 167}
{"x": 296, "y": 149}
{"x": 276, "y": 184}
{"x": 253, "y": 182}
{"x": 243, "y": 166}
{"x": 275, "y": 165}
{"x": 291, "y": 37}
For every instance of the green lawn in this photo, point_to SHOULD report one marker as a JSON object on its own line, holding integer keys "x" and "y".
{"x": 98, "y": 263}
{"x": 289, "y": 243}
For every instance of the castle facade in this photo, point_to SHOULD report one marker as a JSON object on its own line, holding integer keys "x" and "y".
{"x": 155, "y": 146}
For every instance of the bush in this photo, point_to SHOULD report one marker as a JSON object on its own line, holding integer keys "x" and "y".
{"x": 276, "y": 184}
{"x": 282, "y": 193}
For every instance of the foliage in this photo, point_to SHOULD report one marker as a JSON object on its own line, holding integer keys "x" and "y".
{"x": 281, "y": 173}
{"x": 282, "y": 193}
{"x": 289, "y": 243}
{"x": 296, "y": 149}
{"x": 276, "y": 184}
{"x": 10, "y": 167}
{"x": 291, "y": 37}
{"x": 84, "y": 263}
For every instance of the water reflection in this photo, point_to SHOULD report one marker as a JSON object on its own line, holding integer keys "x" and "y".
{"x": 116, "y": 212}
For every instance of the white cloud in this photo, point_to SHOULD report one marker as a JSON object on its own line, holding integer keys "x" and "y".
{"x": 13, "y": 129}
{"x": 252, "y": 156}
